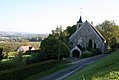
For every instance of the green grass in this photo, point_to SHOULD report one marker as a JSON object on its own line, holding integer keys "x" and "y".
{"x": 104, "y": 69}
{"x": 59, "y": 66}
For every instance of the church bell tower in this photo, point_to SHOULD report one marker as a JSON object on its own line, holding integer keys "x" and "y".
{"x": 79, "y": 23}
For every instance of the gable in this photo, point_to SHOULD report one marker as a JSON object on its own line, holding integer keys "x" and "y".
{"x": 86, "y": 29}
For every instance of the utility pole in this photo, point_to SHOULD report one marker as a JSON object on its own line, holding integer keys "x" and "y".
{"x": 60, "y": 29}
{"x": 59, "y": 49}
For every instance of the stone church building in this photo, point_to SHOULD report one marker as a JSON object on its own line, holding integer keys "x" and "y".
{"x": 84, "y": 34}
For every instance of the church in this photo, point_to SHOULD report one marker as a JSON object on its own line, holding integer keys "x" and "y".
{"x": 84, "y": 35}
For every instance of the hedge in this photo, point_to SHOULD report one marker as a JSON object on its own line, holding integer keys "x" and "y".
{"x": 21, "y": 73}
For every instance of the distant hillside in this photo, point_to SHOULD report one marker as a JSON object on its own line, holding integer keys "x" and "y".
{"x": 14, "y": 34}
{"x": 11, "y": 36}
{"x": 105, "y": 69}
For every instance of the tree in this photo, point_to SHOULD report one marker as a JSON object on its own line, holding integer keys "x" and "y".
{"x": 110, "y": 31}
{"x": 70, "y": 30}
{"x": 64, "y": 34}
{"x": 50, "y": 48}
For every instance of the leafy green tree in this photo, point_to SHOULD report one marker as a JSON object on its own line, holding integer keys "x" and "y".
{"x": 60, "y": 34}
{"x": 50, "y": 48}
{"x": 70, "y": 30}
{"x": 63, "y": 35}
{"x": 67, "y": 33}
{"x": 110, "y": 31}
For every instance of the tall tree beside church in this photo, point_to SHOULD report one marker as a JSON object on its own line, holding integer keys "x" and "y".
{"x": 110, "y": 31}
{"x": 67, "y": 33}
{"x": 70, "y": 30}
{"x": 60, "y": 34}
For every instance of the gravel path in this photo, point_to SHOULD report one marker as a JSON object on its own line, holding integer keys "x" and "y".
{"x": 77, "y": 66}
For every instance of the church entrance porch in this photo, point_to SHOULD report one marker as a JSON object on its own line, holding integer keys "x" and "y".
{"x": 76, "y": 53}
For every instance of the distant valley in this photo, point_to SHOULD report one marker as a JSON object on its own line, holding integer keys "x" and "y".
{"x": 19, "y": 36}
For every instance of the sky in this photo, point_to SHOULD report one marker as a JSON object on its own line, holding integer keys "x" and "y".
{"x": 43, "y": 16}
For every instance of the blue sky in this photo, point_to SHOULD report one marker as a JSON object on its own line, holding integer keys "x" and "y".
{"x": 41, "y": 16}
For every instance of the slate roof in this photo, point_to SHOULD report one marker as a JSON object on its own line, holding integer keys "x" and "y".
{"x": 98, "y": 33}
{"x": 79, "y": 46}
{"x": 86, "y": 23}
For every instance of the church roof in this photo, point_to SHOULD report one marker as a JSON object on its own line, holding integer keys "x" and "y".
{"x": 80, "y": 20}
{"x": 79, "y": 46}
{"x": 86, "y": 23}
{"x": 98, "y": 33}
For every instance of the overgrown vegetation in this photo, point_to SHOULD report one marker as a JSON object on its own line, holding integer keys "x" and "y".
{"x": 89, "y": 52}
{"x": 105, "y": 69}
{"x": 20, "y": 73}
{"x": 61, "y": 65}
{"x": 35, "y": 70}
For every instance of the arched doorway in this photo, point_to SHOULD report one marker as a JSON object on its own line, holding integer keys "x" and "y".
{"x": 75, "y": 53}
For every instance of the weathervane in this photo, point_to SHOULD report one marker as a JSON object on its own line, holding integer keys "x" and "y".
{"x": 80, "y": 11}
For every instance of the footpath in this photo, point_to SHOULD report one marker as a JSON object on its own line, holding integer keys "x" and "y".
{"x": 77, "y": 66}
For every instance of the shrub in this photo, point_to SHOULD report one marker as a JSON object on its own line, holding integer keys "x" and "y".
{"x": 96, "y": 51}
{"x": 5, "y": 65}
{"x": 20, "y": 73}
{"x": 87, "y": 54}
{"x": 17, "y": 60}
{"x": 50, "y": 48}
{"x": 36, "y": 56}
{"x": 92, "y": 52}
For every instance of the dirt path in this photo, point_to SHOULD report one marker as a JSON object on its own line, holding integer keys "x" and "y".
{"x": 77, "y": 65}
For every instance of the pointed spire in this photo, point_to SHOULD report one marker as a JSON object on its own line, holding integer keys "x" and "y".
{"x": 79, "y": 23}
{"x": 80, "y": 20}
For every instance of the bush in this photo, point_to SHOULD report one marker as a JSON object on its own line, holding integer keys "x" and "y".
{"x": 17, "y": 60}
{"x": 87, "y": 54}
{"x": 20, "y": 73}
{"x": 50, "y": 48}
{"x": 36, "y": 56}
{"x": 96, "y": 51}
{"x": 92, "y": 52}
{"x": 5, "y": 65}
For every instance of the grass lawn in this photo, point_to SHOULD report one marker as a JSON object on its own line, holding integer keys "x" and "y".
{"x": 59, "y": 66}
{"x": 104, "y": 69}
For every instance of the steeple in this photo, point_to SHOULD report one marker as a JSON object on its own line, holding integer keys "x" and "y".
{"x": 79, "y": 23}
{"x": 80, "y": 20}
